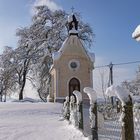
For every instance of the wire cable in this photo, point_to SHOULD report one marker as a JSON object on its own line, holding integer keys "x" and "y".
{"x": 126, "y": 63}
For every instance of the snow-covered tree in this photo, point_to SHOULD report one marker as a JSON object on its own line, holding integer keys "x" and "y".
{"x": 24, "y": 57}
{"x": 42, "y": 77}
{"x": 7, "y": 74}
{"x": 134, "y": 85}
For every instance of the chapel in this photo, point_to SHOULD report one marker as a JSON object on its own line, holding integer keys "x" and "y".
{"x": 72, "y": 66}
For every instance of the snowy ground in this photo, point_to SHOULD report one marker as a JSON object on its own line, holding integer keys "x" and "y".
{"x": 35, "y": 121}
{"x": 43, "y": 121}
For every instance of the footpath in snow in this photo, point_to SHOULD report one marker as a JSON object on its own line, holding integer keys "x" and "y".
{"x": 35, "y": 121}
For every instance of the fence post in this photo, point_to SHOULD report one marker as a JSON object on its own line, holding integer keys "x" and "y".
{"x": 79, "y": 108}
{"x": 94, "y": 121}
{"x": 73, "y": 111}
{"x": 66, "y": 108}
{"x": 93, "y": 112}
{"x": 127, "y": 120}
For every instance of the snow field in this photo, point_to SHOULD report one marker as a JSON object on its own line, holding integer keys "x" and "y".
{"x": 35, "y": 121}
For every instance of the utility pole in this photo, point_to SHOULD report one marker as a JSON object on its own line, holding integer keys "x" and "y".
{"x": 110, "y": 74}
{"x": 111, "y": 79}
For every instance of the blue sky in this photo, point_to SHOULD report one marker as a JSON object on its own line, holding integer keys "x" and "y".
{"x": 113, "y": 22}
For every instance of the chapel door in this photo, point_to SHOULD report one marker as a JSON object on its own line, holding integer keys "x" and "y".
{"x": 74, "y": 84}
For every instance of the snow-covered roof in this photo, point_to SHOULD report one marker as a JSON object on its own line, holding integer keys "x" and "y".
{"x": 57, "y": 55}
{"x": 136, "y": 33}
{"x": 92, "y": 56}
{"x": 51, "y": 68}
{"x": 69, "y": 41}
{"x": 73, "y": 31}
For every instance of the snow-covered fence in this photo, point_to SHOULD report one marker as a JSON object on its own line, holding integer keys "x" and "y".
{"x": 79, "y": 103}
{"x": 136, "y": 113}
{"x": 113, "y": 124}
{"x": 93, "y": 112}
{"x": 66, "y": 108}
{"x": 73, "y": 111}
{"x": 127, "y": 111}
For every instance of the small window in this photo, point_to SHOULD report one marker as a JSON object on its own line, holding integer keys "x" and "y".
{"x": 74, "y": 64}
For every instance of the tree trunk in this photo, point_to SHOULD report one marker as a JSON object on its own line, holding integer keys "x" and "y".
{"x": 1, "y": 97}
{"x": 5, "y": 97}
{"x": 22, "y": 86}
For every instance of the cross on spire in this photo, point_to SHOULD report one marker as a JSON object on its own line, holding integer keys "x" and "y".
{"x": 72, "y": 9}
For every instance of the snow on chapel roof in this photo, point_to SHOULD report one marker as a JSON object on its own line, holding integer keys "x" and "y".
{"x": 77, "y": 41}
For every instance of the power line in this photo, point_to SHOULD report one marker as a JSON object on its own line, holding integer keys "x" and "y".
{"x": 126, "y": 63}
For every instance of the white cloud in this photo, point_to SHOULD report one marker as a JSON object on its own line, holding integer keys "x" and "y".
{"x": 50, "y": 3}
